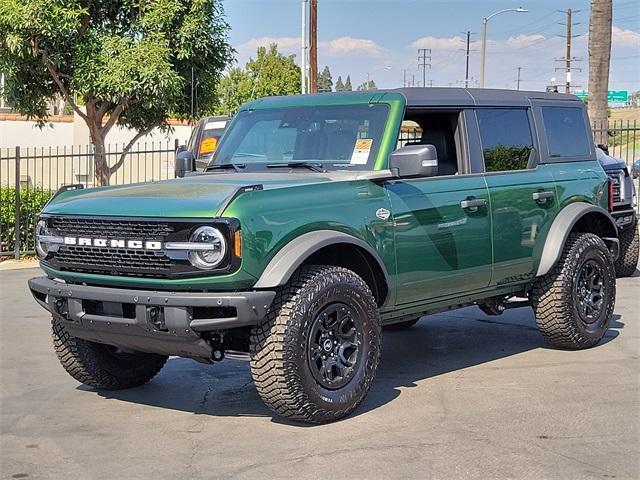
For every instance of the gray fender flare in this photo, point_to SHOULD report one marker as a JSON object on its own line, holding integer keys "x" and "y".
{"x": 293, "y": 254}
{"x": 560, "y": 228}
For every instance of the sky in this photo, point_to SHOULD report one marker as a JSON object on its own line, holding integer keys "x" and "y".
{"x": 356, "y": 37}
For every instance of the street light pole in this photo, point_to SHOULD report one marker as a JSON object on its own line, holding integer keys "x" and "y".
{"x": 483, "y": 48}
{"x": 387, "y": 66}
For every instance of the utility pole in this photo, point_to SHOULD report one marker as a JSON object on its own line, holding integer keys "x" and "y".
{"x": 518, "y": 79}
{"x": 568, "y": 59}
{"x": 468, "y": 51}
{"x": 424, "y": 54}
{"x": 404, "y": 77}
{"x": 303, "y": 48}
{"x": 466, "y": 70}
{"x": 567, "y": 88}
{"x": 313, "y": 47}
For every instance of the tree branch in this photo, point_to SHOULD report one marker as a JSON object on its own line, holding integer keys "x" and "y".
{"x": 126, "y": 149}
{"x": 115, "y": 115}
{"x": 63, "y": 90}
{"x": 56, "y": 78}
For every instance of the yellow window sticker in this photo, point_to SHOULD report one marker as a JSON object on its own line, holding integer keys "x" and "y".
{"x": 360, "y": 155}
{"x": 208, "y": 145}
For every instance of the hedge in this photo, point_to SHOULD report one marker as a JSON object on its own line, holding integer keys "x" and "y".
{"x": 31, "y": 202}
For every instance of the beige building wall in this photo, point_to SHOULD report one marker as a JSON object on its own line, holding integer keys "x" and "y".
{"x": 60, "y": 152}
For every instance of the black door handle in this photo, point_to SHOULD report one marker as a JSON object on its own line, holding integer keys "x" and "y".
{"x": 542, "y": 196}
{"x": 473, "y": 203}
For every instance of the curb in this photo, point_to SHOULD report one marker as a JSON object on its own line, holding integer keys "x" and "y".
{"x": 18, "y": 264}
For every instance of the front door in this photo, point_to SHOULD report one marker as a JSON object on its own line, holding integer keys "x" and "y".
{"x": 442, "y": 235}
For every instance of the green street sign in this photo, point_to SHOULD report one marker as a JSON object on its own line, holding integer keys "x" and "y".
{"x": 613, "y": 96}
{"x": 618, "y": 96}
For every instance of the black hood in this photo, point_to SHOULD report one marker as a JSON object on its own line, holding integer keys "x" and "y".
{"x": 608, "y": 162}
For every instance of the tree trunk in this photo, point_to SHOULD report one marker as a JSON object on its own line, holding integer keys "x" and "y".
{"x": 599, "y": 57}
{"x": 102, "y": 171}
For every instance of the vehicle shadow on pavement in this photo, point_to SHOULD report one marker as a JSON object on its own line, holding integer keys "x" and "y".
{"x": 438, "y": 344}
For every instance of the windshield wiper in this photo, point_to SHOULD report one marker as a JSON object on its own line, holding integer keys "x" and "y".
{"x": 315, "y": 166}
{"x": 225, "y": 166}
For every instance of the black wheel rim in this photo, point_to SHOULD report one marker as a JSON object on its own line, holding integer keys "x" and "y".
{"x": 334, "y": 349}
{"x": 590, "y": 291}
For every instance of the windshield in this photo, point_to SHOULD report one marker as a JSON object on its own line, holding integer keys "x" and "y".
{"x": 337, "y": 137}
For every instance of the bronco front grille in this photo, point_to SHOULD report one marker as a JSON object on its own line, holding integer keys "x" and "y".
{"x": 117, "y": 260}
{"x": 123, "y": 259}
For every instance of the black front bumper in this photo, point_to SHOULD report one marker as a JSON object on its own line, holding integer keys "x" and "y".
{"x": 170, "y": 323}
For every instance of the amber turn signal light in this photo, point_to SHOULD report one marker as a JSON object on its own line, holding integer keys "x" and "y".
{"x": 237, "y": 244}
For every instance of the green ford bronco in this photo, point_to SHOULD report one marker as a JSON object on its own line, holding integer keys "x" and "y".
{"x": 322, "y": 219}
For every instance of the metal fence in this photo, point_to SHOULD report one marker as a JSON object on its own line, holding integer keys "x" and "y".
{"x": 29, "y": 176}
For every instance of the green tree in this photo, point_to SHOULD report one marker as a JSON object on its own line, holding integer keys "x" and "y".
{"x": 325, "y": 81}
{"x": 371, "y": 85}
{"x": 271, "y": 73}
{"x": 339, "y": 84}
{"x": 136, "y": 63}
{"x": 347, "y": 84}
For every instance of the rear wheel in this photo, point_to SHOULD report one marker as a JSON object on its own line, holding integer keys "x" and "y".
{"x": 103, "y": 366}
{"x": 574, "y": 302}
{"x": 629, "y": 249}
{"x": 315, "y": 355}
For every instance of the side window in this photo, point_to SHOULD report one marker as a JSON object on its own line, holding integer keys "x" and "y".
{"x": 505, "y": 134}
{"x": 566, "y": 131}
{"x": 191, "y": 144}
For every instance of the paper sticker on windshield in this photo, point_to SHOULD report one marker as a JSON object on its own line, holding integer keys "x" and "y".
{"x": 361, "y": 151}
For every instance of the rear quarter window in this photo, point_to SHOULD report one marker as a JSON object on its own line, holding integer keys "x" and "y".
{"x": 566, "y": 131}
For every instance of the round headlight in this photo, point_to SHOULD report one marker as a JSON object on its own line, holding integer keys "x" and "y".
{"x": 42, "y": 249}
{"x": 213, "y": 251}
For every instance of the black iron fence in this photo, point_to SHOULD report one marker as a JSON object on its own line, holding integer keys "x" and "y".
{"x": 30, "y": 175}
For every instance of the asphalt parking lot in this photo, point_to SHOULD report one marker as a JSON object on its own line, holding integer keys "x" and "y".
{"x": 461, "y": 395}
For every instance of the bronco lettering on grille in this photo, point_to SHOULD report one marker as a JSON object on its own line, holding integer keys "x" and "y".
{"x": 113, "y": 243}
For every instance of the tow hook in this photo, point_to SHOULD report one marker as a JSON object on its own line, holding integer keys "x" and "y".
{"x": 62, "y": 307}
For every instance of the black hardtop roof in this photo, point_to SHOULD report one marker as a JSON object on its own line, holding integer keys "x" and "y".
{"x": 469, "y": 97}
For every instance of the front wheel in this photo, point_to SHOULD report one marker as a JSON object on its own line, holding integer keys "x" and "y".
{"x": 315, "y": 355}
{"x": 103, "y": 366}
{"x": 574, "y": 302}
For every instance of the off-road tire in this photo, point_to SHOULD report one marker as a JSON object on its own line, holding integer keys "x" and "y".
{"x": 396, "y": 327}
{"x": 629, "y": 248}
{"x": 555, "y": 296}
{"x": 280, "y": 365}
{"x": 98, "y": 366}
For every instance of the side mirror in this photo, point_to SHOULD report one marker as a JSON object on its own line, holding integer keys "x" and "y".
{"x": 185, "y": 163}
{"x": 414, "y": 161}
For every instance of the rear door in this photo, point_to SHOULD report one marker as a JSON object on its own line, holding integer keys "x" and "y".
{"x": 522, "y": 193}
